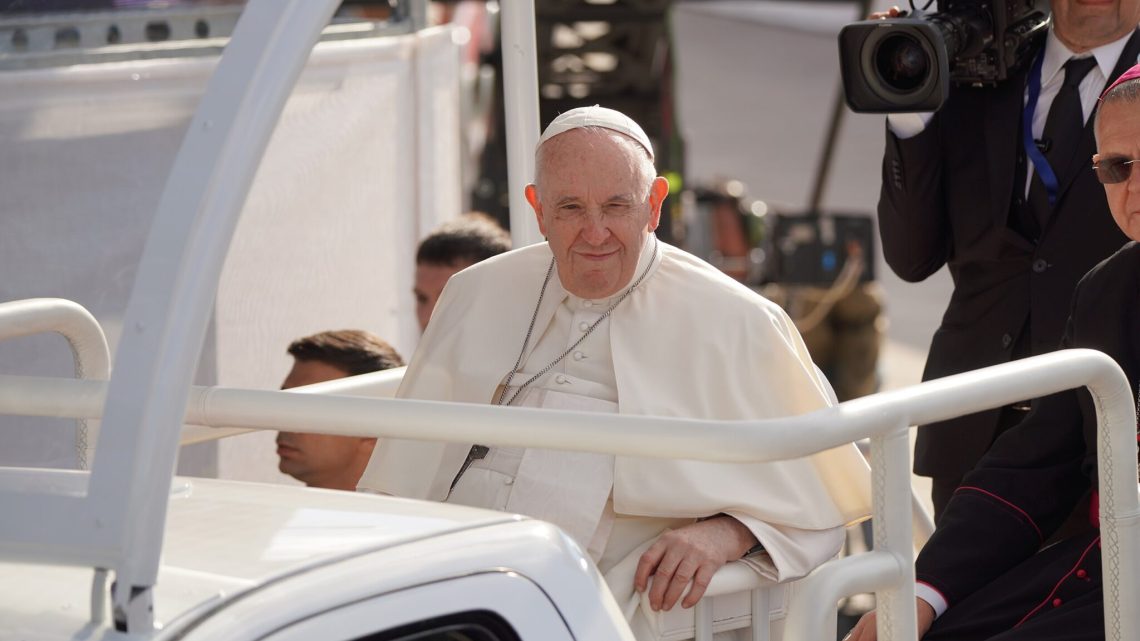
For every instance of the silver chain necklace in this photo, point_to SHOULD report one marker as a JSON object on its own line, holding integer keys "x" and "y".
{"x": 534, "y": 318}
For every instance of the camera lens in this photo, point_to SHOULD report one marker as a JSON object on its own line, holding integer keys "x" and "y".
{"x": 901, "y": 62}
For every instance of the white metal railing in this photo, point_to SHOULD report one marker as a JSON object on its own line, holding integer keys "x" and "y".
{"x": 89, "y": 349}
{"x": 887, "y": 571}
{"x": 520, "y": 101}
{"x": 200, "y": 427}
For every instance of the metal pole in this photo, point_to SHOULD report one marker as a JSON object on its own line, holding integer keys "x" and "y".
{"x": 823, "y": 171}
{"x": 520, "y": 99}
{"x": 1119, "y": 507}
{"x": 172, "y": 300}
{"x": 893, "y": 535}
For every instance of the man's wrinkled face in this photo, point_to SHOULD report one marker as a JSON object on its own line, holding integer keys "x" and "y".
{"x": 1118, "y": 137}
{"x": 596, "y": 200}
{"x": 1085, "y": 24}
{"x": 430, "y": 279}
{"x": 320, "y": 460}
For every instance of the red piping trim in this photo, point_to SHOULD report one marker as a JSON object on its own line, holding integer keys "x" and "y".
{"x": 1011, "y": 505}
{"x": 1049, "y": 598}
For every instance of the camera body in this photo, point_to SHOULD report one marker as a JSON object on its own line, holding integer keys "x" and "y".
{"x": 907, "y": 64}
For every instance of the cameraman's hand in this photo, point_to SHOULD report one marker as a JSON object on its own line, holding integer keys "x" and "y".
{"x": 893, "y": 12}
{"x": 865, "y": 630}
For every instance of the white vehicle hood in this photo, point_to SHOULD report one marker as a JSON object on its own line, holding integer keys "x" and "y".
{"x": 224, "y": 537}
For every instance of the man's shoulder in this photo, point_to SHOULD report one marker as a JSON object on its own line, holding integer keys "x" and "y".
{"x": 1118, "y": 272}
{"x": 492, "y": 284}
{"x": 702, "y": 286}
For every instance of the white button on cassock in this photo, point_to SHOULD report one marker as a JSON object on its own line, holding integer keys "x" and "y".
{"x": 561, "y": 380}
{"x": 579, "y": 356}
{"x": 583, "y": 326}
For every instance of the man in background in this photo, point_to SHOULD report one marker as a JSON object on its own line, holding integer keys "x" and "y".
{"x": 965, "y": 188}
{"x": 326, "y": 460}
{"x": 453, "y": 247}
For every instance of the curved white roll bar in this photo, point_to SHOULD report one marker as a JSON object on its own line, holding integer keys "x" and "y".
{"x": 88, "y": 344}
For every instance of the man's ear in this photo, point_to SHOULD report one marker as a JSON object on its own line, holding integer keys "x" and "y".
{"x": 657, "y": 193}
{"x": 532, "y": 197}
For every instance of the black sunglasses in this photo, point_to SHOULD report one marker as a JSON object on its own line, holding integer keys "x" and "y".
{"x": 1117, "y": 169}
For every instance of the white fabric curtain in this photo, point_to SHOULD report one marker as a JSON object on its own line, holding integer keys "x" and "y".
{"x": 365, "y": 159}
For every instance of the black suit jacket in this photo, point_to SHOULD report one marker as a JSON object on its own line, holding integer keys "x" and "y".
{"x": 946, "y": 200}
{"x": 1036, "y": 472}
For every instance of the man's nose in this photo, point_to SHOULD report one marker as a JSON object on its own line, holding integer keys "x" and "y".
{"x": 1134, "y": 179}
{"x": 595, "y": 229}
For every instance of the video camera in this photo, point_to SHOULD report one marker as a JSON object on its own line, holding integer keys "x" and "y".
{"x": 907, "y": 63}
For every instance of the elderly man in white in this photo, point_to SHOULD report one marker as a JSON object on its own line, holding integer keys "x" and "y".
{"x": 605, "y": 318}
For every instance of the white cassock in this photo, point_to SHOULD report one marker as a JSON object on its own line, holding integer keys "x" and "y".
{"x": 688, "y": 342}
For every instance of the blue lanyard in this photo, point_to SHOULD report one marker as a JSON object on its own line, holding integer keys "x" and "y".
{"x": 1040, "y": 165}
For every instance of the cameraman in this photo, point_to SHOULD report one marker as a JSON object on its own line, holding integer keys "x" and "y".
{"x": 958, "y": 190}
{"x": 984, "y": 575}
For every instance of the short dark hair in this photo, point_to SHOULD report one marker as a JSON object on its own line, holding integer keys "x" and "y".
{"x": 353, "y": 350}
{"x": 469, "y": 239}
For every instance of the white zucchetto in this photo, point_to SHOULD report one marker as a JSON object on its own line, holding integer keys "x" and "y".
{"x": 596, "y": 116}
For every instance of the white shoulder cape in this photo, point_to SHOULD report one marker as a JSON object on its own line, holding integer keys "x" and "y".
{"x": 688, "y": 342}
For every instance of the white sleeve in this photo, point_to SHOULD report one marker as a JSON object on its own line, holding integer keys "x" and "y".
{"x": 931, "y": 596}
{"x": 789, "y": 552}
{"x": 905, "y": 126}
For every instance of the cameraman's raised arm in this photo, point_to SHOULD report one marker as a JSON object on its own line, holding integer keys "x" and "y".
{"x": 914, "y": 248}
{"x": 913, "y": 218}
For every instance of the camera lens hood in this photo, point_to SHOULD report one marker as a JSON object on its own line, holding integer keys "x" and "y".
{"x": 894, "y": 65}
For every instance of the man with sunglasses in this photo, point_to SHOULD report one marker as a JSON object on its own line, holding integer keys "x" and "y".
{"x": 982, "y": 574}
{"x": 996, "y": 186}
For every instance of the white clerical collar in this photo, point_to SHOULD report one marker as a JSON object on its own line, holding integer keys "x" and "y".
{"x": 577, "y": 302}
{"x": 1057, "y": 54}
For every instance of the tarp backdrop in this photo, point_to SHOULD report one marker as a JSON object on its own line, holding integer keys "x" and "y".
{"x": 364, "y": 162}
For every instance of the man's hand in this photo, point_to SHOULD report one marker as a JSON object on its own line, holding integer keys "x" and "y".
{"x": 893, "y": 12}
{"x": 865, "y": 630}
{"x": 690, "y": 554}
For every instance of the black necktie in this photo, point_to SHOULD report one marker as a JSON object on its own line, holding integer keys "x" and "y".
{"x": 1063, "y": 128}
